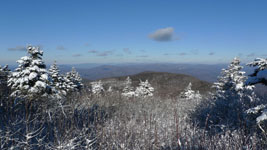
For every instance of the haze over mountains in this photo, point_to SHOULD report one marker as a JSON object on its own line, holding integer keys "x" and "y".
{"x": 204, "y": 72}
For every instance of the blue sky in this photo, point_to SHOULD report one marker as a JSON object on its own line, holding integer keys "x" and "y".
{"x": 120, "y": 31}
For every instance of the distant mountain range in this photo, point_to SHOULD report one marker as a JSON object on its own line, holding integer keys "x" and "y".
{"x": 97, "y": 71}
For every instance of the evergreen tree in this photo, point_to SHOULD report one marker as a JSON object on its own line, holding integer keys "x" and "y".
{"x": 74, "y": 80}
{"x": 144, "y": 89}
{"x": 258, "y": 113}
{"x": 188, "y": 93}
{"x": 128, "y": 90}
{"x": 58, "y": 81}
{"x": 30, "y": 80}
{"x": 232, "y": 96}
{"x": 97, "y": 88}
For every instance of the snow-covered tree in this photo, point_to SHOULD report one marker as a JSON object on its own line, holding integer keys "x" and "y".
{"x": 74, "y": 79}
{"x": 59, "y": 83}
{"x": 30, "y": 80}
{"x": 260, "y": 73}
{"x": 231, "y": 83}
{"x": 258, "y": 113}
{"x": 232, "y": 97}
{"x": 144, "y": 89}
{"x": 188, "y": 93}
{"x": 128, "y": 90}
{"x": 97, "y": 88}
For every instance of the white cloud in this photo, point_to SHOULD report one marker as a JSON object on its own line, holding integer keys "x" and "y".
{"x": 163, "y": 35}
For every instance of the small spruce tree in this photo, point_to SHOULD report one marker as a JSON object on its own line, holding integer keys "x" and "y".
{"x": 74, "y": 80}
{"x": 128, "y": 90}
{"x": 97, "y": 88}
{"x": 144, "y": 89}
{"x": 188, "y": 93}
{"x": 59, "y": 83}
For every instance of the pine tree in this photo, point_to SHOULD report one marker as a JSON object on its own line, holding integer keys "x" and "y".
{"x": 258, "y": 113}
{"x": 188, "y": 93}
{"x": 232, "y": 96}
{"x": 58, "y": 81}
{"x": 144, "y": 89}
{"x": 74, "y": 80}
{"x": 30, "y": 80}
{"x": 97, "y": 88}
{"x": 128, "y": 90}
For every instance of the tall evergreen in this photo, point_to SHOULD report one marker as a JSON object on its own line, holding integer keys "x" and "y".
{"x": 232, "y": 96}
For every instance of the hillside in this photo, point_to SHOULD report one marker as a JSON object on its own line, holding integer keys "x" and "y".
{"x": 165, "y": 84}
{"x": 201, "y": 71}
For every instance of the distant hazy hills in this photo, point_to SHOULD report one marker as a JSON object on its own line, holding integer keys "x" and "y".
{"x": 93, "y": 71}
{"x": 165, "y": 84}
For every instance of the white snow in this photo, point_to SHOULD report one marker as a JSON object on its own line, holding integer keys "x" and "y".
{"x": 262, "y": 117}
{"x": 33, "y": 75}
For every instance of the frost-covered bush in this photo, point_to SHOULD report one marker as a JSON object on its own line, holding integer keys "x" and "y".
{"x": 188, "y": 93}
{"x": 128, "y": 90}
{"x": 144, "y": 89}
{"x": 30, "y": 79}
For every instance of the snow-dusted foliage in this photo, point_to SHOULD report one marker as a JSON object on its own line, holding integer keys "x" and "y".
{"x": 144, "y": 89}
{"x": 128, "y": 90}
{"x": 74, "y": 79}
{"x": 188, "y": 93}
{"x": 110, "y": 89}
{"x": 97, "y": 88}
{"x": 260, "y": 73}
{"x": 59, "y": 83}
{"x": 30, "y": 79}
